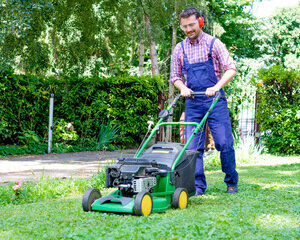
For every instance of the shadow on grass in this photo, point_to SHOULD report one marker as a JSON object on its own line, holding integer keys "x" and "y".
{"x": 258, "y": 182}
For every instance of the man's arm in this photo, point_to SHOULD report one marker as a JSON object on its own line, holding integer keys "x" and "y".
{"x": 228, "y": 64}
{"x": 226, "y": 78}
{"x": 184, "y": 90}
{"x": 176, "y": 72}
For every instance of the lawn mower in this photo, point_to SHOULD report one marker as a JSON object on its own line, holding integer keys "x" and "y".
{"x": 154, "y": 180}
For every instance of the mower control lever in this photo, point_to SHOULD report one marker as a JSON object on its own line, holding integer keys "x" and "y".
{"x": 164, "y": 114}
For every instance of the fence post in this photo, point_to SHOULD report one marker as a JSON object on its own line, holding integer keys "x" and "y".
{"x": 256, "y": 124}
{"x": 50, "y": 123}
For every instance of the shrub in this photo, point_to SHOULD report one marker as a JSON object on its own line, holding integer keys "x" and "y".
{"x": 127, "y": 103}
{"x": 278, "y": 109}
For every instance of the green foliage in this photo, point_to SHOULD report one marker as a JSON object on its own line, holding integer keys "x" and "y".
{"x": 278, "y": 109}
{"x": 81, "y": 105}
{"x": 247, "y": 151}
{"x": 279, "y": 38}
{"x": 101, "y": 38}
{"x": 240, "y": 92}
{"x": 239, "y": 26}
{"x": 64, "y": 132}
{"x": 34, "y": 34}
{"x": 212, "y": 159}
{"x": 29, "y": 137}
{"x": 107, "y": 134}
{"x": 49, "y": 188}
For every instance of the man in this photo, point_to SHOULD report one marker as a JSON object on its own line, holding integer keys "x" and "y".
{"x": 201, "y": 58}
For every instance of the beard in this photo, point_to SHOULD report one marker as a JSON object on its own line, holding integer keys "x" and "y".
{"x": 193, "y": 35}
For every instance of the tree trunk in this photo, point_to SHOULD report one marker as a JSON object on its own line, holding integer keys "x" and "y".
{"x": 55, "y": 50}
{"x": 106, "y": 39}
{"x": 153, "y": 56}
{"x": 141, "y": 57}
{"x": 155, "y": 72}
{"x": 153, "y": 52}
{"x": 53, "y": 38}
{"x": 171, "y": 87}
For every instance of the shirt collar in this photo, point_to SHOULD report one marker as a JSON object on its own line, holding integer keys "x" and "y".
{"x": 199, "y": 38}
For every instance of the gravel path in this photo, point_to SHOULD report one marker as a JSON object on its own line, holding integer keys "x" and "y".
{"x": 63, "y": 165}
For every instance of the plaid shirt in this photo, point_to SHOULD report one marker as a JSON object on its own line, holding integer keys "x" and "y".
{"x": 198, "y": 52}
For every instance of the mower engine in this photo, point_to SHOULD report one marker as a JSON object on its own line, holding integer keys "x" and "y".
{"x": 132, "y": 175}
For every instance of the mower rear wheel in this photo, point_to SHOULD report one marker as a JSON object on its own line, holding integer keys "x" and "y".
{"x": 180, "y": 198}
{"x": 89, "y": 197}
{"x": 143, "y": 204}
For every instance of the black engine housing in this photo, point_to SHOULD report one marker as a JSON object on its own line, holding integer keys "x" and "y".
{"x": 157, "y": 160}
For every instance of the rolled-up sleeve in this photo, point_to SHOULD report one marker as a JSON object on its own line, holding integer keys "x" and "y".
{"x": 176, "y": 67}
{"x": 223, "y": 56}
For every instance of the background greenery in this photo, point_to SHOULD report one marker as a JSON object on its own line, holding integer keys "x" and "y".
{"x": 80, "y": 42}
{"x": 92, "y": 105}
{"x": 278, "y": 109}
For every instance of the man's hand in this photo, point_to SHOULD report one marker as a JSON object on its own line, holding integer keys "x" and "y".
{"x": 212, "y": 91}
{"x": 185, "y": 92}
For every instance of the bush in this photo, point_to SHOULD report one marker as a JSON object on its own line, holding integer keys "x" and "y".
{"x": 278, "y": 109}
{"x": 126, "y": 103}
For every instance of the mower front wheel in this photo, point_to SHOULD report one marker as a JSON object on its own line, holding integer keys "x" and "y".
{"x": 89, "y": 197}
{"x": 143, "y": 204}
{"x": 180, "y": 198}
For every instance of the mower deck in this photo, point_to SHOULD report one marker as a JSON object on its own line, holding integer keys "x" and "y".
{"x": 160, "y": 204}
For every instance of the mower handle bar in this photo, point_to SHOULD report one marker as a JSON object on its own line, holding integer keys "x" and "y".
{"x": 193, "y": 94}
{"x": 196, "y": 93}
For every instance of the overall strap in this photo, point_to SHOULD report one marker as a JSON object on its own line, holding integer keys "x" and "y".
{"x": 211, "y": 46}
{"x": 184, "y": 55}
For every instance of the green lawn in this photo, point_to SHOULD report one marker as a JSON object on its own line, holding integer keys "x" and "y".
{"x": 266, "y": 207}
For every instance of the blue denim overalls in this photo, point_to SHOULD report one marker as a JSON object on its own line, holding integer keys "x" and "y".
{"x": 199, "y": 77}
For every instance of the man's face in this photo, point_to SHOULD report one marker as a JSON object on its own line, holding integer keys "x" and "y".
{"x": 190, "y": 27}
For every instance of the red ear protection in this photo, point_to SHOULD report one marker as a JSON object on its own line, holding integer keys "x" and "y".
{"x": 201, "y": 22}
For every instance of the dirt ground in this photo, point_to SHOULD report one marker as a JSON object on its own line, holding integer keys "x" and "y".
{"x": 63, "y": 165}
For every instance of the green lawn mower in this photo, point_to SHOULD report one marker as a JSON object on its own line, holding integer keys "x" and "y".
{"x": 154, "y": 180}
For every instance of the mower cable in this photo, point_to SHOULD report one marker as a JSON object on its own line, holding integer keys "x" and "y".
{"x": 146, "y": 135}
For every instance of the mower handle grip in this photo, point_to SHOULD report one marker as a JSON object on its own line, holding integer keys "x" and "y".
{"x": 217, "y": 95}
{"x": 192, "y": 94}
{"x": 197, "y": 93}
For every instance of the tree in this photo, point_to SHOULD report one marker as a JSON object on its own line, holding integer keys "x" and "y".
{"x": 48, "y": 35}
{"x": 238, "y": 24}
{"x": 279, "y": 38}
{"x": 21, "y": 25}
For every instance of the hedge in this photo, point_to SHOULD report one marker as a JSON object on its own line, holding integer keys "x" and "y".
{"x": 125, "y": 102}
{"x": 278, "y": 109}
